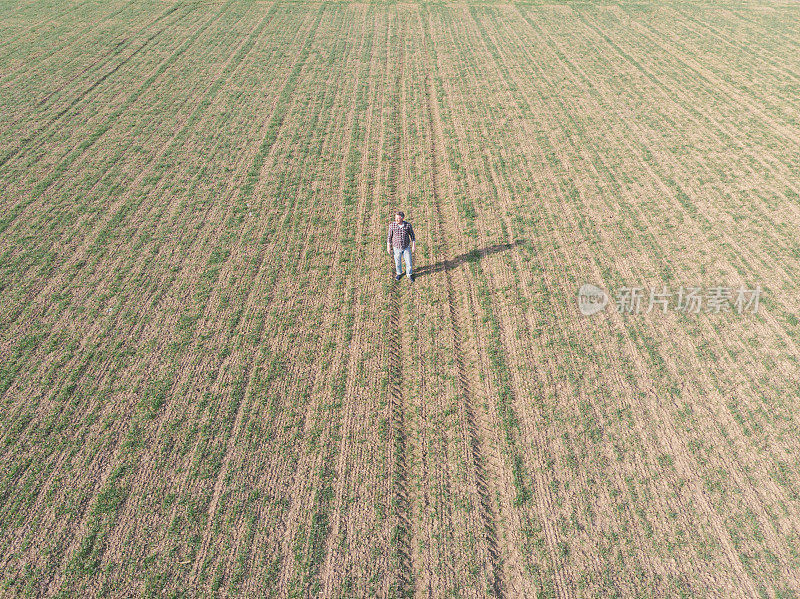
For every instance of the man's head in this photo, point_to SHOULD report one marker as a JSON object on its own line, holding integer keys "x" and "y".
{"x": 398, "y": 217}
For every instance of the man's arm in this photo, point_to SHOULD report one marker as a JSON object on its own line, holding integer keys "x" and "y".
{"x": 411, "y": 235}
{"x": 389, "y": 240}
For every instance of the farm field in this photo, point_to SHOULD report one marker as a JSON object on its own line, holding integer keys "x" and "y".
{"x": 211, "y": 385}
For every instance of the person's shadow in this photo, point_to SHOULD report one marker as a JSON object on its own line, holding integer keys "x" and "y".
{"x": 471, "y": 256}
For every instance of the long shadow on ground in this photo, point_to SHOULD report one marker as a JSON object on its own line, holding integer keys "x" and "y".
{"x": 470, "y": 256}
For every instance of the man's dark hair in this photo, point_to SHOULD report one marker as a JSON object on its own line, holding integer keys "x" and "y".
{"x": 401, "y": 214}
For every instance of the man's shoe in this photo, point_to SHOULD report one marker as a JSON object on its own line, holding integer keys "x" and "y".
{"x": 411, "y": 278}
{"x": 397, "y": 277}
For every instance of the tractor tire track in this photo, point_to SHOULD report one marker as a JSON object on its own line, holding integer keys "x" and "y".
{"x": 466, "y": 394}
{"x": 404, "y": 584}
{"x": 397, "y": 427}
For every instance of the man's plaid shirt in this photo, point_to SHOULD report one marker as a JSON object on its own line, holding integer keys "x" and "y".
{"x": 399, "y": 235}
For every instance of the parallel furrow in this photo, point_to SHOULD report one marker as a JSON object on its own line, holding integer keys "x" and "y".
{"x": 465, "y": 392}
{"x": 26, "y": 141}
{"x": 403, "y": 528}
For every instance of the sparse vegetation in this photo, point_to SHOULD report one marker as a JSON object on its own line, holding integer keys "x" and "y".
{"x": 210, "y": 386}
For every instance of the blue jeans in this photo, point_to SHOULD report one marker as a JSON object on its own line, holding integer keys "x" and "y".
{"x": 406, "y": 253}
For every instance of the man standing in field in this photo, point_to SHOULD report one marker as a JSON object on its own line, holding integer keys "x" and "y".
{"x": 400, "y": 234}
